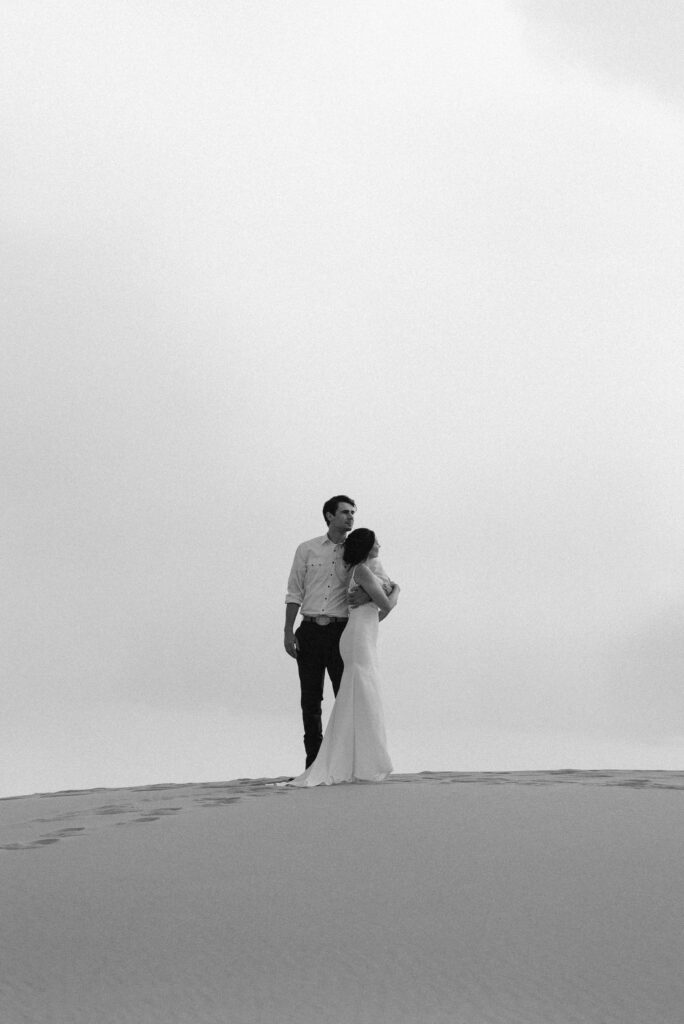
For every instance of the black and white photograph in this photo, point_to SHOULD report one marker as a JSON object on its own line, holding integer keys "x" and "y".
{"x": 342, "y": 431}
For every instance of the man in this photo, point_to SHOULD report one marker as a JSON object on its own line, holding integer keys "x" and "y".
{"x": 318, "y": 585}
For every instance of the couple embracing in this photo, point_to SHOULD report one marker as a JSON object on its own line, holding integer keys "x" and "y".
{"x": 343, "y": 593}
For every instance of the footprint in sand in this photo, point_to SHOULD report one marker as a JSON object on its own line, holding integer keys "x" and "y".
{"x": 152, "y": 815}
{"x": 115, "y": 809}
{"x": 217, "y": 801}
{"x": 24, "y": 846}
{"x": 56, "y": 817}
{"x": 48, "y": 840}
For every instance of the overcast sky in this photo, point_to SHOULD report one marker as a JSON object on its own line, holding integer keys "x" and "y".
{"x": 258, "y": 253}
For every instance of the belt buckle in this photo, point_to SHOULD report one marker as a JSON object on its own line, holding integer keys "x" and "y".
{"x": 322, "y": 620}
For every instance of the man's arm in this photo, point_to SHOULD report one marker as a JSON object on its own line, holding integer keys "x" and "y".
{"x": 291, "y": 610}
{"x": 294, "y": 599}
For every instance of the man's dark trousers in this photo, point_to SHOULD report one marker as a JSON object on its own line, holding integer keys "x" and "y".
{"x": 318, "y": 650}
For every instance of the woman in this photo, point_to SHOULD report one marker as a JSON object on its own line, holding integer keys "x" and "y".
{"x": 354, "y": 746}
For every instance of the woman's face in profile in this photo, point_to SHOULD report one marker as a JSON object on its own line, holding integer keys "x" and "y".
{"x": 375, "y": 550}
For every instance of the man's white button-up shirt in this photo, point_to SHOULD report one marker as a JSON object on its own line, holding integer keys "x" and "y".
{"x": 318, "y": 578}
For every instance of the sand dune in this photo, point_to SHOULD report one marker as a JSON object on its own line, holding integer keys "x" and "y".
{"x": 468, "y": 898}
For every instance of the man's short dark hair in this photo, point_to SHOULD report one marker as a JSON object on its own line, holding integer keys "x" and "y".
{"x": 330, "y": 507}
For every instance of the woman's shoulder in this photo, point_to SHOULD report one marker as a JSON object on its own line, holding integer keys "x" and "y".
{"x": 362, "y": 570}
{"x": 363, "y": 575}
{"x": 356, "y": 576}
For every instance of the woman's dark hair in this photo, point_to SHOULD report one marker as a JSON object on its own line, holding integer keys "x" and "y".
{"x": 330, "y": 507}
{"x": 358, "y": 545}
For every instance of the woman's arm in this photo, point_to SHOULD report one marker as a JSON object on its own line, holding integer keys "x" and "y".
{"x": 370, "y": 583}
{"x": 393, "y": 587}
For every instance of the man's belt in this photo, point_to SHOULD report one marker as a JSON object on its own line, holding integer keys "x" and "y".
{"x": 324, "y": 620}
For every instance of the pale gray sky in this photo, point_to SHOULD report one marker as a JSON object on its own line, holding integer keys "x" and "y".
{"x": 258, "y": 253}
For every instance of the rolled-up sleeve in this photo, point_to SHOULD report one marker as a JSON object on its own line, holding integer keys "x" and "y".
{"x": 295, "y": 583}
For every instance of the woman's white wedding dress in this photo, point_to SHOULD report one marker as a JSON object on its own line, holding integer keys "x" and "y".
{"x": 354, "y": 746}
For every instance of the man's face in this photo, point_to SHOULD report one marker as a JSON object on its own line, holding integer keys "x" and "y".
{"x": 343, "y": 519}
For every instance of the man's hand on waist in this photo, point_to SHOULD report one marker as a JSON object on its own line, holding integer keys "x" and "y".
{"x": 357, "y": 598}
